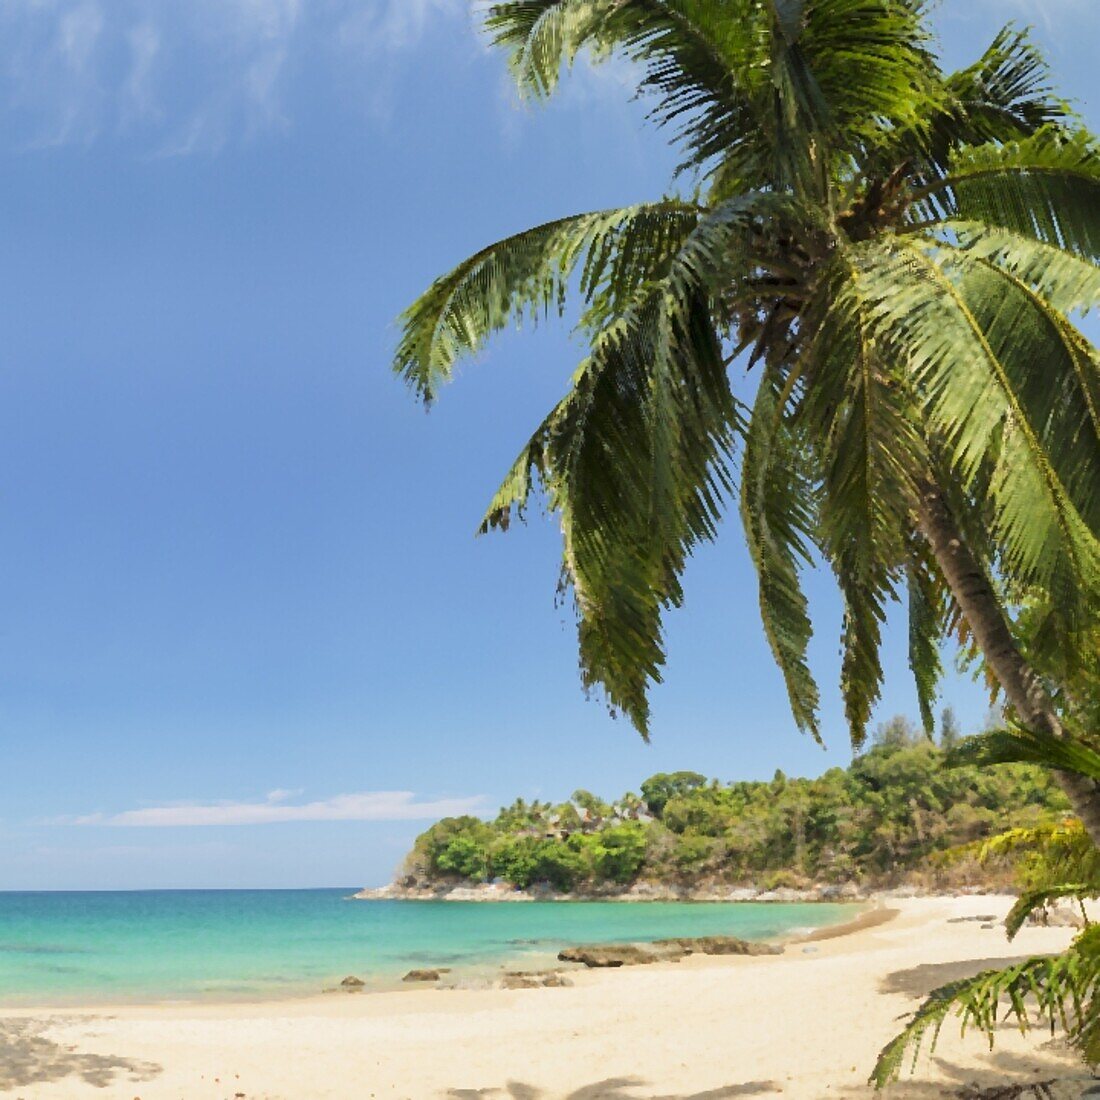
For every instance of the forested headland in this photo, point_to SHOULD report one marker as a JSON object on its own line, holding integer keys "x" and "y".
{"x": 897, "y": 815}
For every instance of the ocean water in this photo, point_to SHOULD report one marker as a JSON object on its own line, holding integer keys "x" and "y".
{"x": 91, "y": 948}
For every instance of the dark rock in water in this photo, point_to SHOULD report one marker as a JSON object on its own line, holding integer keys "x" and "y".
{"x": 619, "y": 954}
{"x": 352, "y": 983}
{"x": 722, "y": 945}
{"x": 426, "y": 975}
{"x": 533, "y": 979}
{"x": 637, "y": 954}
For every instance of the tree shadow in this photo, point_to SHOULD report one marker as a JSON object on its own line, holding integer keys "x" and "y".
{"x": 28, "y": 1058}
{"x": 995, "y": 1075}
{"x": 919, "y": 981}
{"x": 615, "y": 1088}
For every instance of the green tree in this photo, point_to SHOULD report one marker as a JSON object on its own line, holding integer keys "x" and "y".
{"x": 896, "y": 249}
{"x": 618, "y": 852}
{"x": 950, "y": 734}
{"x": 897, "y": 733}
{"x": 595, "y": 807}
{"x": 659, "y": 788}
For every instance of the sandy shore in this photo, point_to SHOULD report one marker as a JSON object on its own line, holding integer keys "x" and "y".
{"x": 802, "y": 1026}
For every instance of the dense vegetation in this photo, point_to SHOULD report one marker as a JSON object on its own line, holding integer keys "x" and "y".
{"x": 878, "y": 821}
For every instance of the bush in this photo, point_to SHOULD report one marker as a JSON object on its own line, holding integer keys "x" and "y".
{"x": 691, "y": 852}
{"x": 617, "y": 853}
{"x": 466, "y": 856}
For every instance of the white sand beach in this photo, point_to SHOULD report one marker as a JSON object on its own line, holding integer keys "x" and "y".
{"x": 802, "y": 1026}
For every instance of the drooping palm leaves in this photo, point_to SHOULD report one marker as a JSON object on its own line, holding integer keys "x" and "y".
{"x": 1056, "y": 991}
{"x": 897, "y": 255}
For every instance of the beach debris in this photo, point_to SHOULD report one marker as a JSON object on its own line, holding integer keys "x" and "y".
{"x": 672, "y": 950}
{"x": 426, "y": 975}
{"x": 985, "y": 918}
{"x": 352, "y": 984}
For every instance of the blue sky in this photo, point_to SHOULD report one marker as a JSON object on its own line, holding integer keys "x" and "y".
{"x": 247, "y": 637}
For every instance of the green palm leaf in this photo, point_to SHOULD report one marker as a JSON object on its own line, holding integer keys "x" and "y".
{"x": 1032, "y": 900}
{"x": 693, "y": 55}
{"x": 778, "y": 507}
{"x": 927, "y": 626}
{"x": 951, "y": 324}
{"x": 858, "y": 412}
{"x": 1022, "y": 746}
{"x": 1065, "y": 282}
{"x": 1046, "y": 186}
{"x": 1061, "y": 991}
{"x": 528, "y": 274}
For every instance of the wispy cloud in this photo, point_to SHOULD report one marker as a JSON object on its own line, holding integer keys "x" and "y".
{"x": 389, "y": 26}
{"x": 188, "y": 76}
{"x": 277, "y": 808}
{"x": 1050, "y": 14}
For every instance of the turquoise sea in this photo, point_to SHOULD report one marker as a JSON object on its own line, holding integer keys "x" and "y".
{"x": 82, "y": 948}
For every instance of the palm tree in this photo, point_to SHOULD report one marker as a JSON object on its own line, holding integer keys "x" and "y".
{"x": 892, "y": 257}
{"x": 1060, "y": 990}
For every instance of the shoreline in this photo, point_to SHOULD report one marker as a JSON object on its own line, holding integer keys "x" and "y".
{"x": 474, "y": 977}
{"x": 712, "y": 1025}
{"x": 870, "y": 918}
{"x": 642, "y": 892}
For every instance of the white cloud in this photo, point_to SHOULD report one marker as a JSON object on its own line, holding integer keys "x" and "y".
{"x": 191, "y": 76}
{"x": 276, "y": 808}
{"x": 1051, "y": 14}
{"x": 393, "y": 25}
{"x": 137, "y": 95}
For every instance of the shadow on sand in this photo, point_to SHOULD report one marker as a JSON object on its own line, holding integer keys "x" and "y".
{"x": 919, "y": 981}
{"x": 28, "y": 1058}
{"x": 998, "y": 1076}
{"x": 615, "y": 1088}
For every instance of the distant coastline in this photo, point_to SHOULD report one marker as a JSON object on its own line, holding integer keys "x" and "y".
{"x": 641, "y": 892}
{"x": 897, "y": 819}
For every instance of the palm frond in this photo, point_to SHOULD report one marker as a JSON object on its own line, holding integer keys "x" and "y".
{"x": 927, "y": 625}
{"x": 887, "y": 43}
{"x": 1007, "y": 93}
{"x": 1046, "y": 186}
{"x": 857, "y": 410}
{"x": 694, "y": 58}
{"x": 527, "y": 275}
{"x": 1004, "y": 96}
{"x": 635, "y": 460}
{"x": 1051, "y": 852}
{"x": 1058, "y": 991}
{"x": 1032, "y": 900}
{"x": 1017, "y": 745}
{"x": 1062, "y": 400}
{"x": 637, "y": 465}
{"x": 964, "y": 359}
{"x": 754, "y": 87}
{"x": 1067, "y": 283}
{"x": 778, "y": 506}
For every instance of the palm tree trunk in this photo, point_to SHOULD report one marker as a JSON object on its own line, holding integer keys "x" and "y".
{"x": 981, "y": 608}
